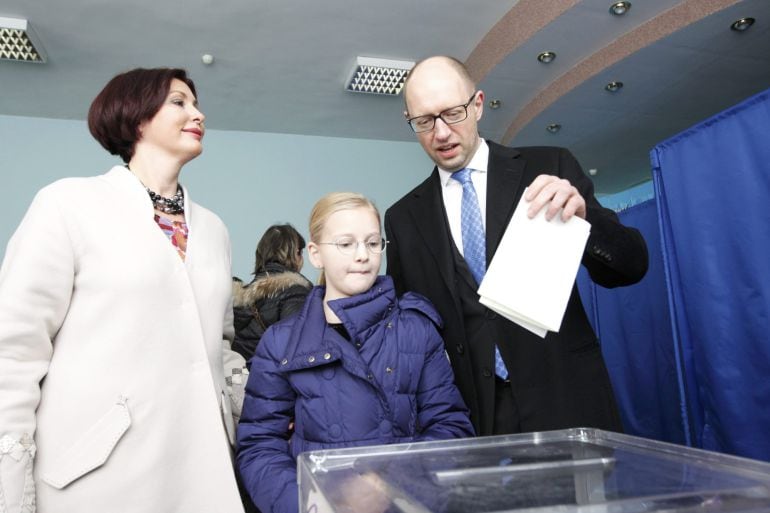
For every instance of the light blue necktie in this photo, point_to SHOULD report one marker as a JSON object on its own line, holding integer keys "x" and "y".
{"x": 474, "y": 242}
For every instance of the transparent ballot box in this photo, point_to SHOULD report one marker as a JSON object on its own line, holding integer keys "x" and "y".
{"x": 574, "y": 470}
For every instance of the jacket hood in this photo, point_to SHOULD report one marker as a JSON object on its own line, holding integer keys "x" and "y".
{"x": 268, "y": 285}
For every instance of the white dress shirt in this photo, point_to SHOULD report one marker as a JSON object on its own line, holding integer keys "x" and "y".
{"x": 452, "y": 193}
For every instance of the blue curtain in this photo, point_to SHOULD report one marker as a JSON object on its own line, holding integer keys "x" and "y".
{"x": 712, "y": 186}
{"x": 634, "y": 328}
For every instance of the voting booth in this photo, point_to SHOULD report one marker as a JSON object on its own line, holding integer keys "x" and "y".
{"x": 575, "y": 470}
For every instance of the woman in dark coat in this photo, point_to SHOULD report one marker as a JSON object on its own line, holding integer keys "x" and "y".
{"x": 277, "y": 291}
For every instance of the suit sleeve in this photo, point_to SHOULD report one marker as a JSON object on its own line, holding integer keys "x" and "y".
{"x": 264, "y": 460}
{"x": 615, "y": 255}
{"x": 392, "y": 256}
{"x": 36, "y": 283}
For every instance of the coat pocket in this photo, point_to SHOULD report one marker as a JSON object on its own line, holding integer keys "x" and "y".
{"x": 92, "y": 449}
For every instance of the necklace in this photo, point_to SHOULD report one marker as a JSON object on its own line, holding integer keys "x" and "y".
{"x": 173, "y": 205}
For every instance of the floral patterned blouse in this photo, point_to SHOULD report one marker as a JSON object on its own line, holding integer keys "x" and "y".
{"x": 176, "y": 231}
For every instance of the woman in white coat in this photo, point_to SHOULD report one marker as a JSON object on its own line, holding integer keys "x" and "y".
{"x": 115, "y": 315}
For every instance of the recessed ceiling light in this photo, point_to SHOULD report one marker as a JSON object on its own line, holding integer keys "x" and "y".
{"x": 614, "y": 86}
{"x": 207, "y": 59}
{"x": 593, "y": 171}
{"x": 494, "y": 104}
{"x": 546, "y": 57}
{"x": 742, "y": 24}
{"x": 620, "y": 8}
{"x": 378, "y": 76}
{"x": 18, "y": 42}
{"x": 553, "y": 127}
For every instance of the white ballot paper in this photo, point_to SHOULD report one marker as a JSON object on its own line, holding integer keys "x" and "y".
{"x": 530, "y": 278}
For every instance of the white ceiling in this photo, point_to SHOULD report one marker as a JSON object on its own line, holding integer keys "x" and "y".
{"x": 281, "y": 66}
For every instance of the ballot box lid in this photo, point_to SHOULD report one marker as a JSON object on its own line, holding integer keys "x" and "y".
{"x": 573, "y": 470}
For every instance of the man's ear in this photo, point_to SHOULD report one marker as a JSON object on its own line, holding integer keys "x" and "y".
{"x": 314, "y": 255}
{"x": 479, "y": 104}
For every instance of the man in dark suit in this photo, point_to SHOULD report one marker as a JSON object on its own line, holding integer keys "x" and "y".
{"x": 553, "y": 383}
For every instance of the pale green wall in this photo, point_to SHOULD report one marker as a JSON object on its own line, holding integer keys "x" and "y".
{"x": 251, "y": 180}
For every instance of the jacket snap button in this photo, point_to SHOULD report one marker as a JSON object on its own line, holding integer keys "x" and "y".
{"x": 390, "y": 325}
{"x": 460, "y": 349}
{"x": 487, "y": 373}
{"x": 311, "y": 359}
{"x": 284, "y": 361}
{"x": 388, "y": 370}
{"x": 370, "y": 376}
{"x": 327, "y": 356}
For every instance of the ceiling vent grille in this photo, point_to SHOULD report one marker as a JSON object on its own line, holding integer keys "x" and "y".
{"x": 18, "y": 43}
{"x": 378, "y": 76}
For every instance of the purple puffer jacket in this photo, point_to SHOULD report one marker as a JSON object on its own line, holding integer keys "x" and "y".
{"x": 390, "y": 383}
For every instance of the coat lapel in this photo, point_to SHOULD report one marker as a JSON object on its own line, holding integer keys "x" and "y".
{"x": 429, "y": 218}
{"x": 504, "y": 188}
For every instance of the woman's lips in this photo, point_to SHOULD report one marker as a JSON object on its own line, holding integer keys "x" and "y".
{"x": 194, "y": 131}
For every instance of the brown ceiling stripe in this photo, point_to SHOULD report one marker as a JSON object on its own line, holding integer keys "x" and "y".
{"x": 517, "y": 26}
{"x": 676, "y": 18}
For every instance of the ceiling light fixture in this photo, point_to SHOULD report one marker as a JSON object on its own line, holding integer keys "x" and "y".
{"x": 378, "y": 76}
{"x": 614, "y": 86}
{"x": 18, "y": 42}
{"x": 620, "y": 8}
{"x": 742, "y": 25}
{"x": 546, "y": 57}
{"x": 207, "y": 59}
{"x": 494, "y": 104}
{"x": 553, "y": 127}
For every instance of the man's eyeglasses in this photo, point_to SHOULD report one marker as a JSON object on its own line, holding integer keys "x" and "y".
{"x": 449, "y": 116}
{"x": 349, "y": 245}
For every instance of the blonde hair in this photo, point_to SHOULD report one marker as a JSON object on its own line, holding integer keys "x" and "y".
{"x": 328, "y": 205}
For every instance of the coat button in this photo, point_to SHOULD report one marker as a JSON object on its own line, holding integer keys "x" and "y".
{"x": 370, "y": 376}
{"x": 335, "y": 431}
{"x": 385, "y": 427}
{"x": 487, "y": 373}
{"x": 390, "y": 325}
{"x": 489, "y": 314}
{"x": 284, "y": 361}
{"x": 460, "y": 349}
{"x": 327, "y": 356}
{"x": 311, "y": 359}
{"x": 388, "y": 369}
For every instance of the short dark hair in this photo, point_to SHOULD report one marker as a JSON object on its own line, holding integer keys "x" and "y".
{"x": 281, "y": 244}
{"x": 127, "y": 101}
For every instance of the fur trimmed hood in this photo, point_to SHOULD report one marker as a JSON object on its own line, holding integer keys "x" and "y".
{"x": 267, "y": 285}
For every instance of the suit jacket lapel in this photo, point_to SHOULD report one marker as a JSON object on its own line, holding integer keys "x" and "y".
{"x": 504, "y": 188}
{"x": 430, "y": 220}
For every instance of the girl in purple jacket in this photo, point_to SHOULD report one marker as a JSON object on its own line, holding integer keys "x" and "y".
{"x": 356, "y": 366}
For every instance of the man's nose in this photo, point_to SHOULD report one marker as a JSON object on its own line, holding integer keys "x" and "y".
{"x": 440, "y": 129}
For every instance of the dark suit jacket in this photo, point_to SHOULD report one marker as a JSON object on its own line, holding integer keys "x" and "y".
{"x": 557, "y": 382}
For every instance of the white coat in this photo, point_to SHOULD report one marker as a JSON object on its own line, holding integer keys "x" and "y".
{"x": 111, "y": 356}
